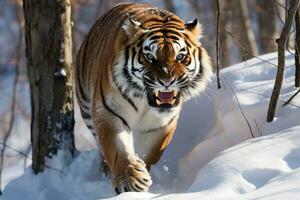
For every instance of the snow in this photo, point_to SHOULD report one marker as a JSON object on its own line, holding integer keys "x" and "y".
{"x": 214, "y": 154}
{"x": 60, "y": 73}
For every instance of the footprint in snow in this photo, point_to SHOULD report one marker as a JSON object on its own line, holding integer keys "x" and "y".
{"x": 293, "y": 158}
{"x": 259, "y": 177}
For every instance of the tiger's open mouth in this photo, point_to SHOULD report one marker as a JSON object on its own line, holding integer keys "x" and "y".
{"x": 164, "y": 99}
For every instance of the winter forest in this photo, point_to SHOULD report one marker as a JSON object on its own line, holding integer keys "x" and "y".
{"x": 238, "y": 139}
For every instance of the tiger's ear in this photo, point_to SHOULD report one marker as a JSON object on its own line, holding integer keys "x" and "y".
{"x": 194, "y": 27}
{"x": 132, "y": 27}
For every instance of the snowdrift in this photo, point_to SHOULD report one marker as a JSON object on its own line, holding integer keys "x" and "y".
{"x": 264, "y": 166}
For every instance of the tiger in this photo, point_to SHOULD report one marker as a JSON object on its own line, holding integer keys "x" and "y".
{"x": 134, "y": 69}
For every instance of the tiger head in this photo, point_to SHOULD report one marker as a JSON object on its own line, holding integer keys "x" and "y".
{"x": 163, "y": 61}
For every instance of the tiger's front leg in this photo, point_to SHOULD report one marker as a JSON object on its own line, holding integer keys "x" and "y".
{"x": 129, "y": 172}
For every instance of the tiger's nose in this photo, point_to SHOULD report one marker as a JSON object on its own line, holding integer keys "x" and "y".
{"x": 167, "y": 81}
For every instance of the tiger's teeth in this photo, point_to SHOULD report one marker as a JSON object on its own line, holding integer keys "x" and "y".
{"x": 156, "y": 93}
{"x": 175, "y": 92}
{"x": 158, "y": 102}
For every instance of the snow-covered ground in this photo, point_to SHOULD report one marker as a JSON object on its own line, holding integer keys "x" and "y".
{"x": 215, "y": 154}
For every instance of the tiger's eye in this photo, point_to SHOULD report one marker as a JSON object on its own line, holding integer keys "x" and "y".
{"x": 149, "y": 57}
{"x": 180, "y": 57}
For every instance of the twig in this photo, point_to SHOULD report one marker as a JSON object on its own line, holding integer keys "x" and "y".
{"x": 278, "y": 11}
{"x": 240, "y": 107}
{"x": 245, "y": 50}
{"x": 290, "y": 99}
{"x": 60, "y": 172}
{"x": 289, "y": 50}
{"x": 257, "y": 127}
{"x": 279, "y": 17}
{"x": 218, "y": 44}
{"x": 268, "y": 97}
{"x": 15, "y": 150}
{"x": 25, "y": 159}
{"x": 282, "y": 6}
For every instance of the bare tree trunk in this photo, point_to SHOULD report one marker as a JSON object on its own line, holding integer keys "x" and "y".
{"x": 218, "y": 44}
{"x": 170, "y": 5}
{"x": 246, "y": 35}
{"x": 288, "y": 41}
{"x": 224, "y": 24}
{"x": 297, "y": 47}
{"x": 268, "y": 26}
{"x": 294, "y": 5}
{"x": 49, "y": 61}
{"x": 225, "y": 14}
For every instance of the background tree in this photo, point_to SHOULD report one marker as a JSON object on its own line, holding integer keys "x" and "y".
{"x": 49, "y": 60}
{"x": 297, "y": 49}
{"x": 297, "y": 56}
{"x": 282, "y": 41}
{"x": 170, "y": 5}
{"x": 85, "y": 13}
{"x": 218, "y": 44}
{"x": 225, "y": 15}
{"x": 267, "y": 25}
{"x": 206, "y": 12}
{"x": 243, "y": 24}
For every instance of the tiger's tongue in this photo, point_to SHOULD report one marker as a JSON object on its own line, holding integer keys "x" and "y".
{"x": 165, "y": 96}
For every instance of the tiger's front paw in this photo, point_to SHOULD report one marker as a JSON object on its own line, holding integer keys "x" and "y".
{"x": 135, "y": 178}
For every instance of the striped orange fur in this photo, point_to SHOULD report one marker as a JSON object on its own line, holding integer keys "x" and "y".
{"x": 135, "y": 68}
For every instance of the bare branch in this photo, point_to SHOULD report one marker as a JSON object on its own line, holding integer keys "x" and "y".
{"x": 240, "y": 107}
{"x": 59, "y": 171}
{"x": 297, "y": 50}
{"x": 278, "y": 12}
{"x": 268, "y": 97}
{"x": 280, "y": 5}
{"x": 218, "y": 44}
{"x": 25, "y": 158}
{"x": 260, "y": 133}
{"x": 290, "y": 99}
{"x": 15, "y": 150}
{"x": 246, "y": 50}
{"x": 286, "y": 14}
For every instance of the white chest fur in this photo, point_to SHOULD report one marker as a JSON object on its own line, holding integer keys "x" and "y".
{"x": 142, "y": 121}
{"x": 147, "y": 133}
